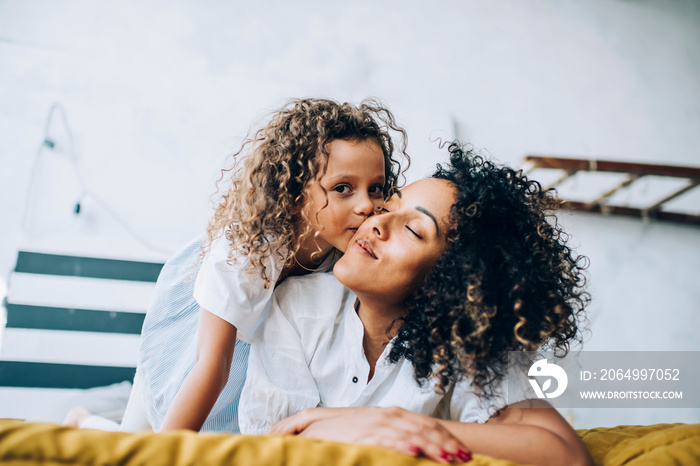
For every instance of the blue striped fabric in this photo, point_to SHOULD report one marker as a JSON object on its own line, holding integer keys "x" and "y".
{"x": 169, "y": 345}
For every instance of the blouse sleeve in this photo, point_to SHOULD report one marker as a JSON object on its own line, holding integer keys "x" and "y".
{"x": 278, "y": 383}
{"x": 232, "y": 291}
{"x": 466, "y": 406}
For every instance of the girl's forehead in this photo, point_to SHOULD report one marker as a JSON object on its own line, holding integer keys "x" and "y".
{"x": 354, "y": 156}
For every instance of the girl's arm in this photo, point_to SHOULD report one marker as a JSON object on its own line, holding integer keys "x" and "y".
{"x": 216, "y": 340}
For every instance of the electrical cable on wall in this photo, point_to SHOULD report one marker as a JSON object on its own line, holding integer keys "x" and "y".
{"x": 48, "y": 143}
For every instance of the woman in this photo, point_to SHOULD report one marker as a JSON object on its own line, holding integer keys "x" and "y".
{"x": 493, "y": 274}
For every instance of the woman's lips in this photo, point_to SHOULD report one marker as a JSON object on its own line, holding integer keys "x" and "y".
{"x": 364, "y": 245}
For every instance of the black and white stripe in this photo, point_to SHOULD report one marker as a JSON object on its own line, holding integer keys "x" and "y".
{"x": 72, "y": 322}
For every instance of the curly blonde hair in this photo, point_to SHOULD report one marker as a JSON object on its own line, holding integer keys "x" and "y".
{"x": 256, "y": 214}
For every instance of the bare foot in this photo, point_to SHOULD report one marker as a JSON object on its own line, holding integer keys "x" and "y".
{"x": 76, "y": 416}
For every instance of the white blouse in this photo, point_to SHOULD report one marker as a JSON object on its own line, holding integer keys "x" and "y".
{"x": 232, "y": 292}
{"x": 169, "y": 337}
{"x": 309, "y": 353}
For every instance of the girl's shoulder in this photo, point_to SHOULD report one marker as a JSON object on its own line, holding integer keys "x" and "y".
{"x": 313, "y": 295}
{"x": 220, "y": 250}
{"x": 228, "y": 288}
{"x": 233, "y": 268}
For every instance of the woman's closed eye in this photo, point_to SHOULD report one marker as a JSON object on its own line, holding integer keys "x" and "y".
{"x": 414, "y": 232}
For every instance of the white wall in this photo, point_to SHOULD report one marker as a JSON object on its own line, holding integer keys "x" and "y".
{"x": 158, "y": 93}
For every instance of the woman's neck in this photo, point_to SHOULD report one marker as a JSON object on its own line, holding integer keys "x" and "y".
{"x": 377, "y": 318}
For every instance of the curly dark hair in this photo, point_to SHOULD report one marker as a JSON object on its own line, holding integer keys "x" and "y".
{"x": 256, "y": 213}
{"x": 507, "y": 281}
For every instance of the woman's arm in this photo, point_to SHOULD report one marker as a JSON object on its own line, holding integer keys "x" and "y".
{"x": 394, "y": 428}
{"x": 528, "y": 432}
{"x": 296, "y": 423}
{"x": 216, "y": 340}
{"x": 527, "y": 435}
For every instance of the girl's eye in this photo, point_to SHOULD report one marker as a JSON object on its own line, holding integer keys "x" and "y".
{"x": 342, "y": 189}
{"x": 414, "y": 232}
{"x": 377, "y": 190}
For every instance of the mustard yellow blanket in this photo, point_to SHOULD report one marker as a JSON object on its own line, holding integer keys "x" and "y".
{"x": 48, "y": 444}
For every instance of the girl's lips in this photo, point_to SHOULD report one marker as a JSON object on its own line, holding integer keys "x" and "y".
{"x": 364, "y": 245}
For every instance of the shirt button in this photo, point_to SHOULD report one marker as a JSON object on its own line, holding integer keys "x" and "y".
{"x": 354, "y": 380}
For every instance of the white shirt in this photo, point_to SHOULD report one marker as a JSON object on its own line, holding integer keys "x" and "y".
{"x": 169, "y": 337}
{"x": 232, "y": 291}
{"x": 309, "y": 353}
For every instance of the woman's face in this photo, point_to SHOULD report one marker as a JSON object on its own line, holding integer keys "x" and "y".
{"x": 393, "y": 251}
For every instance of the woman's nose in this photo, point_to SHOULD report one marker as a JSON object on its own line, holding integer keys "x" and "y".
{"x": 379, "y": 226}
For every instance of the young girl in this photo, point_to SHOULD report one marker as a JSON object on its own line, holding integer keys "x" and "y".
{"x": 455, "y": 271}
{"x": 310, "y": 178}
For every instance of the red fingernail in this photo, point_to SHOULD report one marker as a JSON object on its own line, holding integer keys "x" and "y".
{"x": 464, "y": 456}
{"x": 414, "y": 449}
{"x": 447, "y": 456}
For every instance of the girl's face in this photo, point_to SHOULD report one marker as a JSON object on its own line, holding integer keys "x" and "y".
{"x": 353, "y": 183}
{"x": 394, "y": 250}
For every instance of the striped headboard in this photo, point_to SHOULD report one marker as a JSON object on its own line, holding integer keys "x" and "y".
{"x": 72, "y": 323}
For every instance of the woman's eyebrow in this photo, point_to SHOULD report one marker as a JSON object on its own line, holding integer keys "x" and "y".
{"x": 432, "y": 217}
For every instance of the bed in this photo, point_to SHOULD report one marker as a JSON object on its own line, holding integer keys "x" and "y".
{"x": 24, "y": 443}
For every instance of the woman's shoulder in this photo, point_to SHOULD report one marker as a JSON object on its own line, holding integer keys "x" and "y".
{"x": 470, "y": 404}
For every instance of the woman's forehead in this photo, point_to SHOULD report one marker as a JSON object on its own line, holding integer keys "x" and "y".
{"x": 431, "y": 193}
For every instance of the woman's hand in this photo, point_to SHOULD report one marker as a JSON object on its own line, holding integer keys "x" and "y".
{"x": 298, "y": 422}
{"x": 394, "y": 428}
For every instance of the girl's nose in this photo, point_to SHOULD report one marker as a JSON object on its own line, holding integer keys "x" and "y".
{"x": 364, "y": 205}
